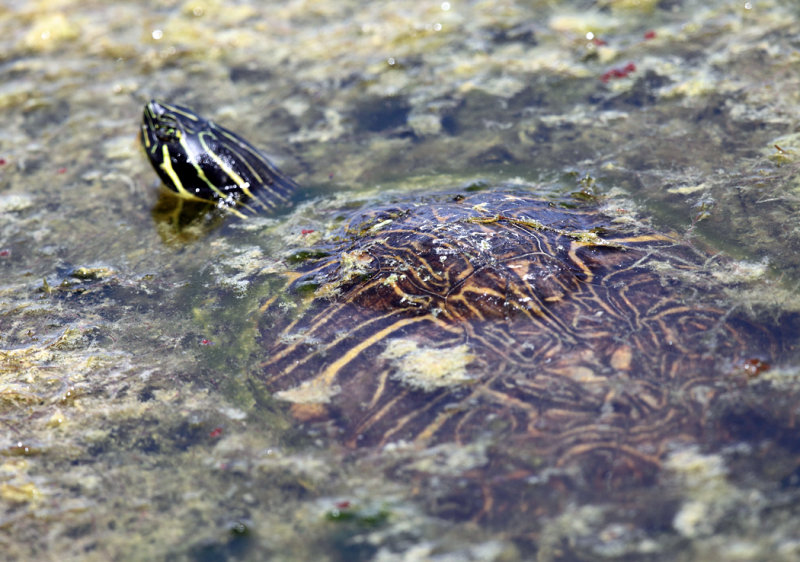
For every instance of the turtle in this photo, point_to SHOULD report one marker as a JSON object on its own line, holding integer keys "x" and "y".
{"x": 557, "y": 334}
{"x": 200, "y": 161}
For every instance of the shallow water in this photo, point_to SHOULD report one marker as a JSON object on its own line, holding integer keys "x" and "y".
{"x": 134, "y": 424}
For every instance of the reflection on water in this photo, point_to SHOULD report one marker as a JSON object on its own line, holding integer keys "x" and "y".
{"x": 137, "y": 422}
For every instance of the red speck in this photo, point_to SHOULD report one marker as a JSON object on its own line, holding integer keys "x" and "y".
{"x": 3, "y": 161}
{"x": 5, "y": 253}
{"x": 216, "y": 433}
{"x": 342, "y": 505}
{"x": 620, "y": 72}
{"x": 307, "y": 231}
{"x": 650, "y": 35}
{"x": 753, "y": 367}
{"x": 61, "y": 171}
{"x": 599, "y": 42}
{"x": 206, "y": 342}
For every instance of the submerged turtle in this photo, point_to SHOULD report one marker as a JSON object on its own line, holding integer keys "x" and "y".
{"x": 553, "y": 333}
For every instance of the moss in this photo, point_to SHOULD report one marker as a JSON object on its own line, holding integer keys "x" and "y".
{"x": 428, "y": 368}
{"x": 309, "y": 392}
{"x": 353, "y": 266}
{"x": 710, "y": 496}
{"x": 49, "y": 31}
{"x": 306, "y": 255}
{"x": 640, "y": 6}
{"x": 590, "y": 237}
{"x": 21, "y": 493}
{"x": 362, "y": 516}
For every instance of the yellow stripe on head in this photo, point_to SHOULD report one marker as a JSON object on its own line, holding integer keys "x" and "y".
{"x": 243, "y": 185}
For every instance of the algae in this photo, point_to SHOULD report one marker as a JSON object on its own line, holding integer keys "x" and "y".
{"x": 426, "y": 368}
{"x": 133, "y": 425}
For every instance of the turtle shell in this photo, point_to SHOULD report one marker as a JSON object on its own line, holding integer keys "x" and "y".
{"x": 494, "y": 316}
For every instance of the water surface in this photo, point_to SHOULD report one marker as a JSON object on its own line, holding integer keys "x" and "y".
{"x": 133, "y": 422}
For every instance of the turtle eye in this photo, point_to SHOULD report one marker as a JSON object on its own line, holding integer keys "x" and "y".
{"x": 168, "y": 135}
{"x": 166, "y": 129}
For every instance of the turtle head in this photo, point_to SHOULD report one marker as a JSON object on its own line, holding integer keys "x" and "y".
{"x": 199, "y": 160}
